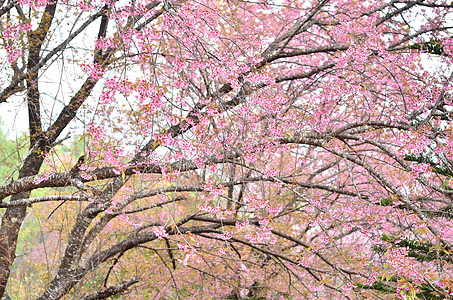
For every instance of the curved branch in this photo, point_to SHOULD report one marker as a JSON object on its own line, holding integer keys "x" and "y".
{"x": 112, "y": 290}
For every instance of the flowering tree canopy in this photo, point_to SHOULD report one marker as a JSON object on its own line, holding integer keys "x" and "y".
{"x": 284, "y": 149}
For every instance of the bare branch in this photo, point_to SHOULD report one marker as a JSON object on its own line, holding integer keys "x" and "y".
{"x": 112, "y": 290}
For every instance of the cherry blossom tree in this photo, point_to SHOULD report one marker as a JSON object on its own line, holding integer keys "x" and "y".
{"x": 229, "y": 149}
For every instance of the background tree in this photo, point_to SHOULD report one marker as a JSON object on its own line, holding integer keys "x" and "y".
{"x": 232, "y": 149}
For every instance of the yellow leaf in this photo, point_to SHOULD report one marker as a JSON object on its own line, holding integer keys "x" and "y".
{"x": 156, "y": 144}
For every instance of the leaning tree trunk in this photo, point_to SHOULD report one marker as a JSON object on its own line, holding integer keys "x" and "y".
{"x": 14, "y": 216}
{"x": 12, "y": 221}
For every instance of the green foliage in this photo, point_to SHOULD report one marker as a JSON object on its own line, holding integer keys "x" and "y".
{"x": 445, "y": 186}
{"x": 432, "y": 47}
{"x": 75, "y": 148}
{"x": 11, "y": 152}
{"x": 29, "y": 234}
{"x": 386, "y": 202}
{"x": 437, "y": 168}
{"x": 443, "y": 212}
{"x": 421, "y": 251}
{"x": 425, "y": 291}
{"x": 428, "y": 292}
{"x": 379, "y": 285}
{"x": 389, "y": 202}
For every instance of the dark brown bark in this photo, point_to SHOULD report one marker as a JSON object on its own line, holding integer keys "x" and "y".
{"x": 40, "y": 141}
{"x": 12, "y": 221}
{"x": 14, "y": 216}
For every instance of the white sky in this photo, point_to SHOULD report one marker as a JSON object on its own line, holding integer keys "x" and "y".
{"x": 14, "y": 112}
